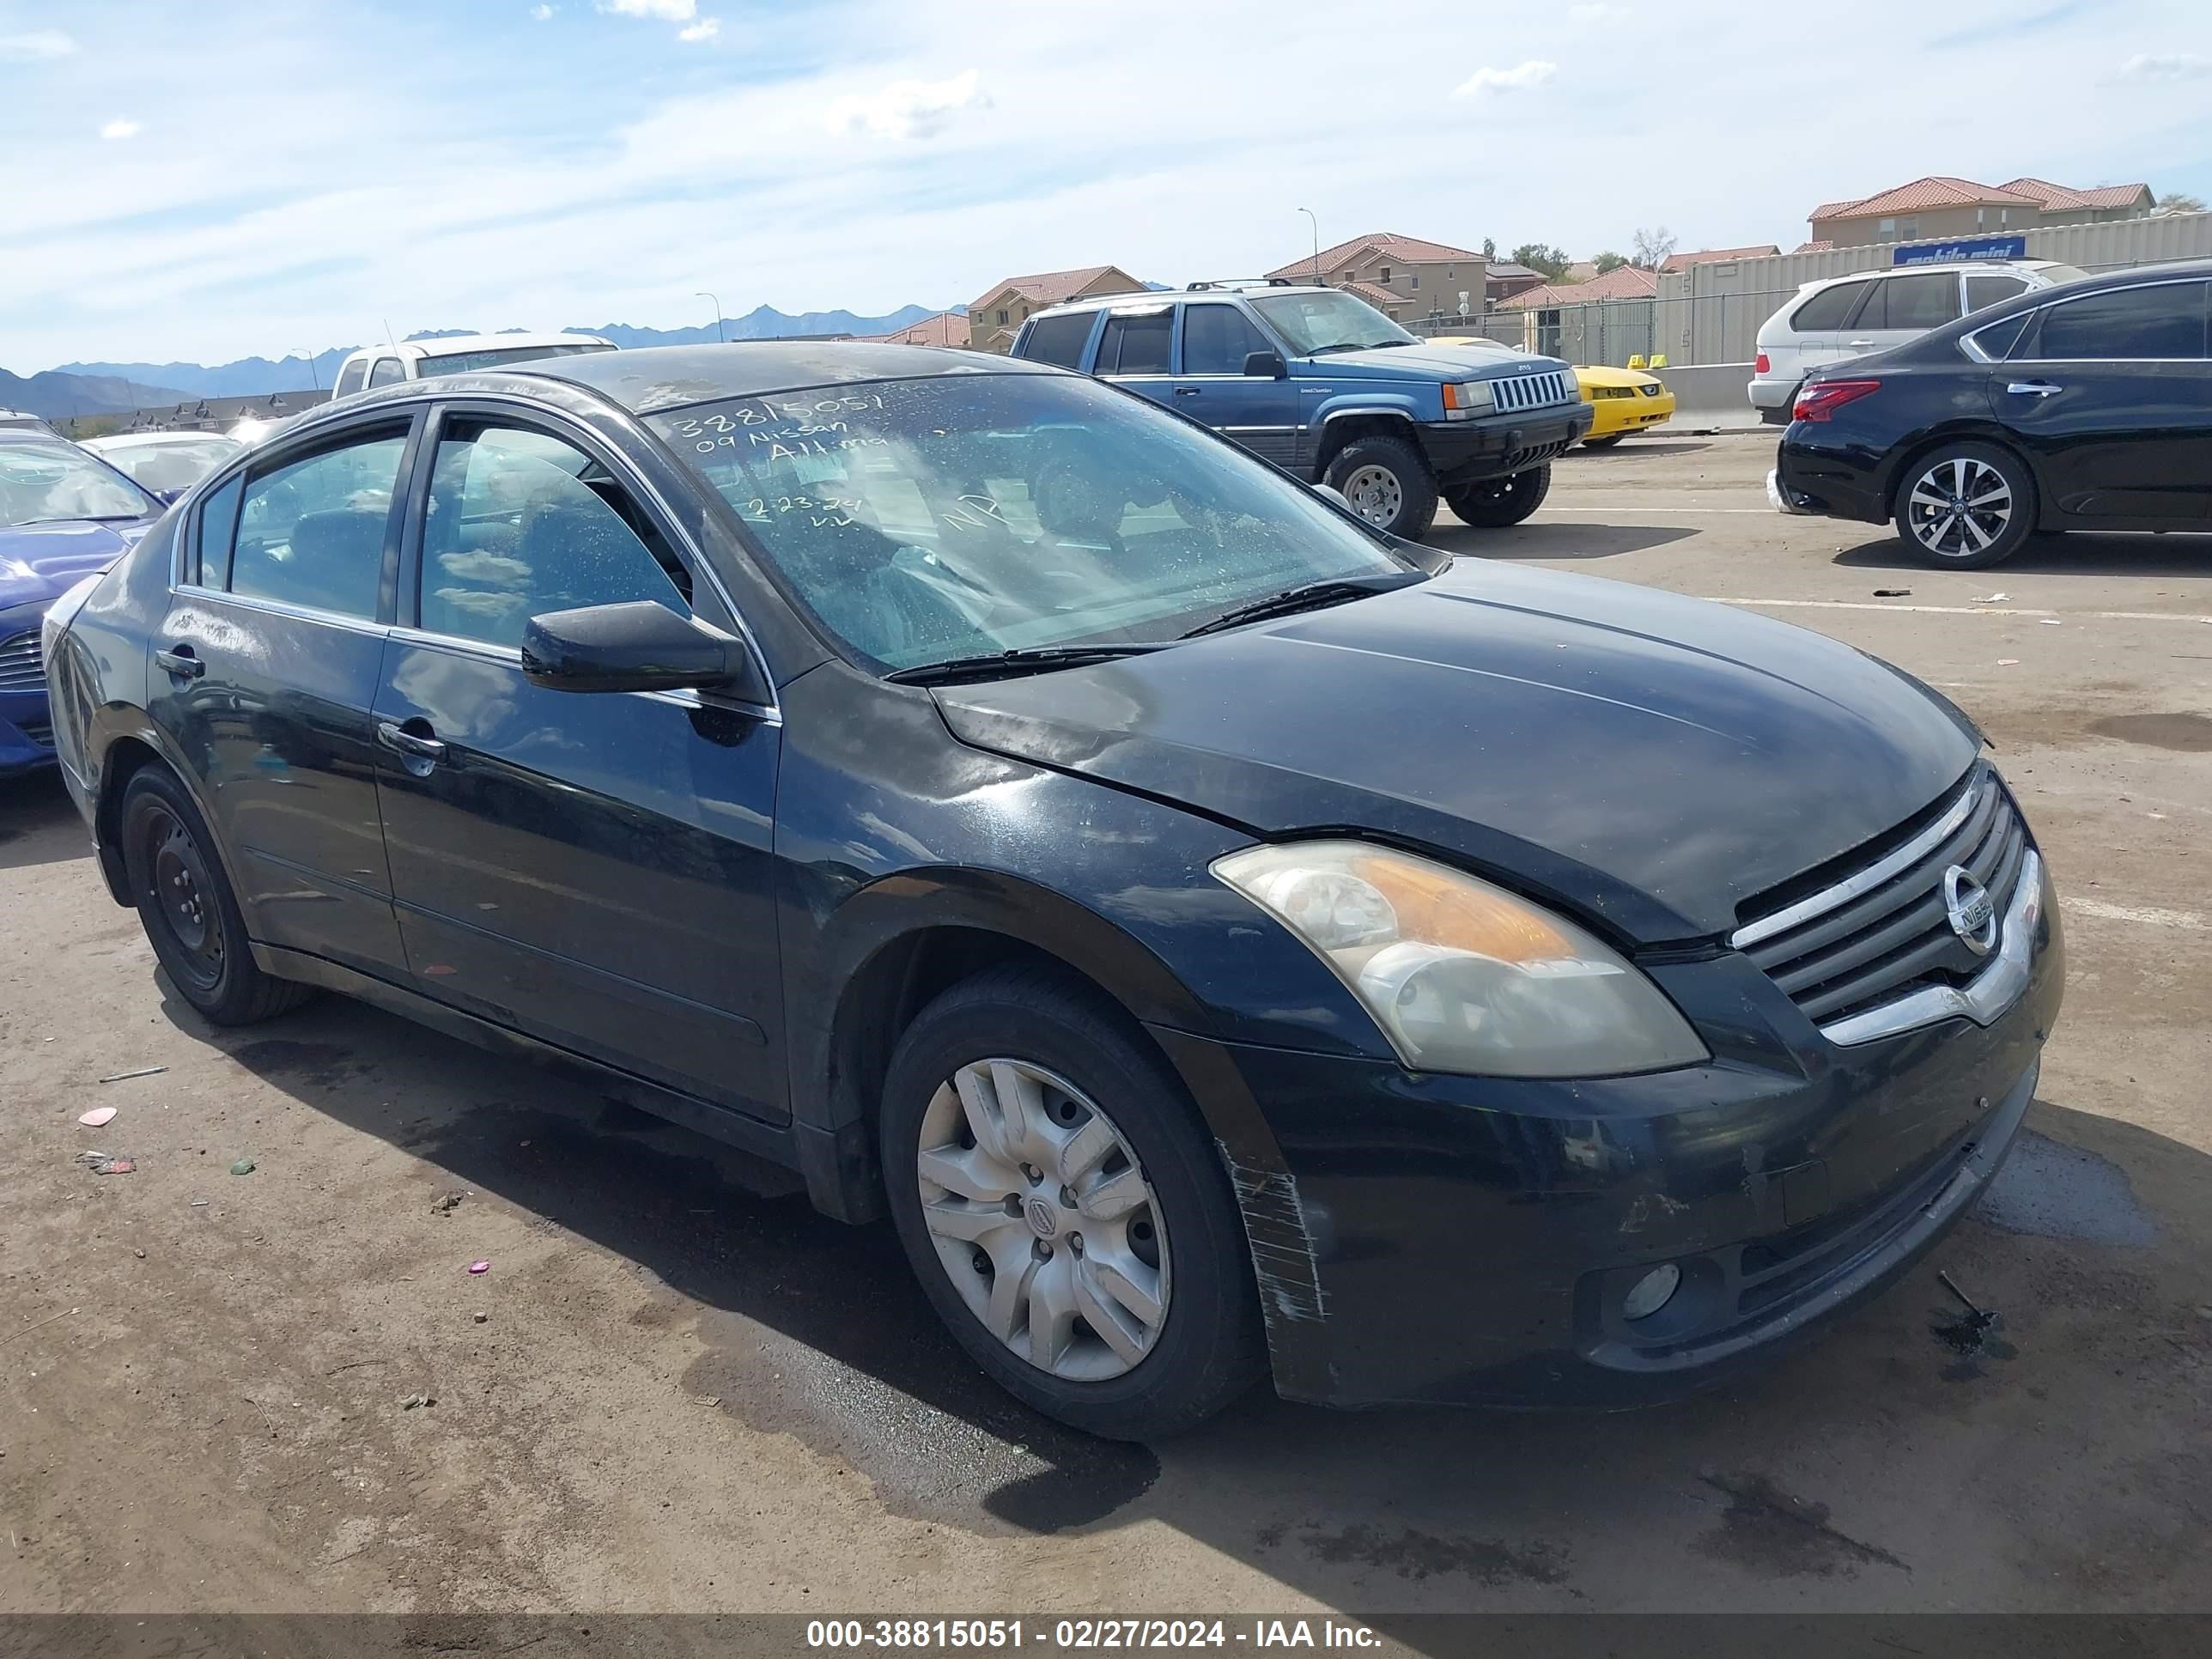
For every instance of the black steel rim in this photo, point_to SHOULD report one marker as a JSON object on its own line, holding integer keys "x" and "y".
{"x": 184, "y": 898}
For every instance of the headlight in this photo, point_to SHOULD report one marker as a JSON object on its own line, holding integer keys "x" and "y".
{"x": 1463, "y": 402}
{"x": 1463, "y": 976}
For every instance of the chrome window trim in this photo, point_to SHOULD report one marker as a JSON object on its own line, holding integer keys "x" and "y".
{"x": 1986, "y": 999}
{"x": 643, "y": 487}
{"x": 1872, "y": 876}
{"x": 2036, "y": 317}
{"x": 352, "y": 624}
{"x": 508, "y": 656}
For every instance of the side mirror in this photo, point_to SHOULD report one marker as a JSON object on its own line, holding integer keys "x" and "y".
{"x": 1266, "y": 365}
{"x": 637, "y": 646}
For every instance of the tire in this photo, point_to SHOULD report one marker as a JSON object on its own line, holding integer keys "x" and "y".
{"x": 1495, "y": 503}
{"x": 1966, "y": 506}
{"x": 187, "y": 908}
{"x": 1606, "y": 443}
{"x": 1041, "y": 1061}
{"x": 1386, "y": 481}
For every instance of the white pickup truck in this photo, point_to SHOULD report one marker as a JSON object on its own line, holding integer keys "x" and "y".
{"x": 458, "y": 354}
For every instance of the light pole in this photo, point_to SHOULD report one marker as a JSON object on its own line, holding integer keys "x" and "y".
{"x": 1309, "y": 212}
{"x": 702, "y": 294}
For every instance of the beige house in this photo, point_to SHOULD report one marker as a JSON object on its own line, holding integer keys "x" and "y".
{"x": 946, "y": 328}
{"x": 994, "y": 319}
{"x": 1938, "y": 208}
{"x": 1403, "y": 277}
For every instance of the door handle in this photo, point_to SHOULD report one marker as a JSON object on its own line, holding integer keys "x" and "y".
{"x": 180, "y": 660}
{"x": 1187, "y": 391}
{"x": 401, "y": 741}
{"x": 2033, "y": 388}
{"x": 1860, "y": 345}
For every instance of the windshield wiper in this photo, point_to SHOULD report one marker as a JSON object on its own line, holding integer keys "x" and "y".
{"x": 1336, "y": 591}
{"x": 1038, "y": 657}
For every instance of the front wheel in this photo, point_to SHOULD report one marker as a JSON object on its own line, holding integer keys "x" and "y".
{"x": 1495, "y": 503}
{"x": 1058, "y": 1199}
{"x": 1385, "y": 481}
{"x": 1966, "y": 506}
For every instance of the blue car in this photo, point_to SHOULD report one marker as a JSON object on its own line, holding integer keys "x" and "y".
{"x": 1327, "y": 387}
{"x": 65, "y": 515}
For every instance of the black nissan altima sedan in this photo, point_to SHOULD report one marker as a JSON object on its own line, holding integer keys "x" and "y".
{"x": 1222, "y": 942}
{"x": 2087, "y": 406}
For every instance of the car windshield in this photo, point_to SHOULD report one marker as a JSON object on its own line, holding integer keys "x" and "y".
{"x": 170, "y": 466}
{"x": 969, "y": 515}
{"x": 462, "y": 363}
{"x": 1326, "y": 321}
{"x": 41, "y": 483}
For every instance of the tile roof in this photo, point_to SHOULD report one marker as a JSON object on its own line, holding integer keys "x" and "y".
{"x": 946, "y": 328}
{"x": 1623, "y": 282}
{"x": 1819, "y": 245}
{"x": 1049, "y": 288}
{"x": 2059, "y": 198}
{"x": 1708, "y": 256}
{"x": 1375, "y": 295}
{"x": 1506, "y": 269}
{"x": 1936, "y": 191}
{"x": 1382, "y": 243}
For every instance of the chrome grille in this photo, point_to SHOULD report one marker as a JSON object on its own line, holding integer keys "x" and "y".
{"x": 20, "y": 667}
{"x": 1882, "y": 931}
{"x": 1521, "y": 392}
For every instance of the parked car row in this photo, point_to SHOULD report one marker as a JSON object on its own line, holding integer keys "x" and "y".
{"x": 1203, "y": 921}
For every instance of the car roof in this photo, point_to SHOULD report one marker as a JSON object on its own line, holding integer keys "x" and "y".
{"x": 1139, "y": 299}
{"x": 453, "y": 345}
{"x": 669, "y": 377}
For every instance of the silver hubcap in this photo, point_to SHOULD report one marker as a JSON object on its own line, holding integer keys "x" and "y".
{"x": 1043, "y": 1220}
{"x": 1375, "y": 494}
{"x": 1960, "y": 505}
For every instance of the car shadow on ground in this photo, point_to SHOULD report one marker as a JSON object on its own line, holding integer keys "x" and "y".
{"x": 1628, "y": 448}
{"x": 2055, "y": 1455}
{"x": 2184, "y": 555}
{"x": 1555, "y": 541}
{"x": 39, "y": 822}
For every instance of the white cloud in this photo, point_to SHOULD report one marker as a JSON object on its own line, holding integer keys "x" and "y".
{"x": 1534, "y": 73}
{"x": 121, "y": 130}
{"x": 667, "y": 11}
{"x": 705, "y": 29}
{"x": 541, "y": 13}
{"x": 2165, "y": 66}
{"x": 907, "y": 109}
{"x": 39, "y": 46}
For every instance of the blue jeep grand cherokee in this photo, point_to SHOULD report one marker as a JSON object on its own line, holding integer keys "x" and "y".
{"x": 1326, "y": 386}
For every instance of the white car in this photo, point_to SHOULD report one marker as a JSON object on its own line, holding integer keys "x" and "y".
{"x": 167, "y": 462}
{"x": 1841, "y": 317}
{"x": 459, "y": 354}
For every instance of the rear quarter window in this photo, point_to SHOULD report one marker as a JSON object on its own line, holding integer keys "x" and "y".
{"x": 1828, "y": 308}
{"x": 1058, "y": 340}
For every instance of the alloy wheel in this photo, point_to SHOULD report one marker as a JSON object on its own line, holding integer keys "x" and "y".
{"x": 1043, "y": 1220}
{"x": 1376, "y": 494}
{"x": 1958, "y": 507}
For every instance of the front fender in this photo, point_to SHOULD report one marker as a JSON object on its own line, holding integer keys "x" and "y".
{"x": 1346, "y": 402}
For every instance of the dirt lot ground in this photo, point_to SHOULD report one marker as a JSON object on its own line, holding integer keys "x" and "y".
{"x": 670, "y": 1392}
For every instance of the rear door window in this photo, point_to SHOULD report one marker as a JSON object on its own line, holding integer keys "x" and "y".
{"x": 1986, "y": 289}
{"x": 387, "y": 372}
{"x": 312, "y": 532}
{"x": 1826, "y": 310}
{"x": 1058, "y": 340}
{"x": 2160, "y": 323}
{"x": 218, "y": 527}
{"x": 1136, "y": 345}
{"x": 1922, "y": 303}
{"x": 351, "y": 377}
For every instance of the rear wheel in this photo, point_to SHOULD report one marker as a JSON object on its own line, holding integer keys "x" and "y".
{"x": 185, "y": 903}
{"x": 1385, "y": 481}
{"x": 1055, "y": 1192}
{"x": 1966, "y": 506}
{"x": 1494, "y": 503}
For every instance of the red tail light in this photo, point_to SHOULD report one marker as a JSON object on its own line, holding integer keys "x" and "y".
{"x": 1762, "y": 365}
{"x": 1822, "y": 399}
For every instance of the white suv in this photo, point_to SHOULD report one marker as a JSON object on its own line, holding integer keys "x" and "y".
{"x": 1840, "y": 317}
{"x": 457, "y": 354}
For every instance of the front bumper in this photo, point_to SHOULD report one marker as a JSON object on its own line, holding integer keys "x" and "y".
{"x": 27, "y": 732}
{"x": 1466, "y": 451}
{"x": 1615, "y": 416}
{"x": 1429, "y": 1239}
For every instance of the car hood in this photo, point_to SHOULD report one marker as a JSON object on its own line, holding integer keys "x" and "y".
{"x": 39, "y": 562}
{"x": 1635, "y": 379}
{"x": 1652, "y": 760}
{"x": 1428, "y": 362}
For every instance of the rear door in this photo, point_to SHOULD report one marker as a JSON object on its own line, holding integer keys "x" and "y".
{"x": 593, "y": 869}
{"x": 1259, "y": 411}
{"x": 1137, "y": 349}
{"x": 1815, "y": 330}
{"x": 264, "y": 672}
{"x": 2112, "y": 393}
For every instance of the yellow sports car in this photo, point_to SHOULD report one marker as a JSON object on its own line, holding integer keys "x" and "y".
{"x": 1625, "y": 399}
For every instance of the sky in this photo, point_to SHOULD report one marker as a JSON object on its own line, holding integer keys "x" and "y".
{"x": 205, "y": 180}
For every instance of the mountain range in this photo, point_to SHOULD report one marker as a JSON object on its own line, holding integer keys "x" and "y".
{"x": 98, "y": 388}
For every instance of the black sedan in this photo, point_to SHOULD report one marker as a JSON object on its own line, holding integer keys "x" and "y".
{"x": 1223, "y": 942}
{"x": 2087, "y": 406}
